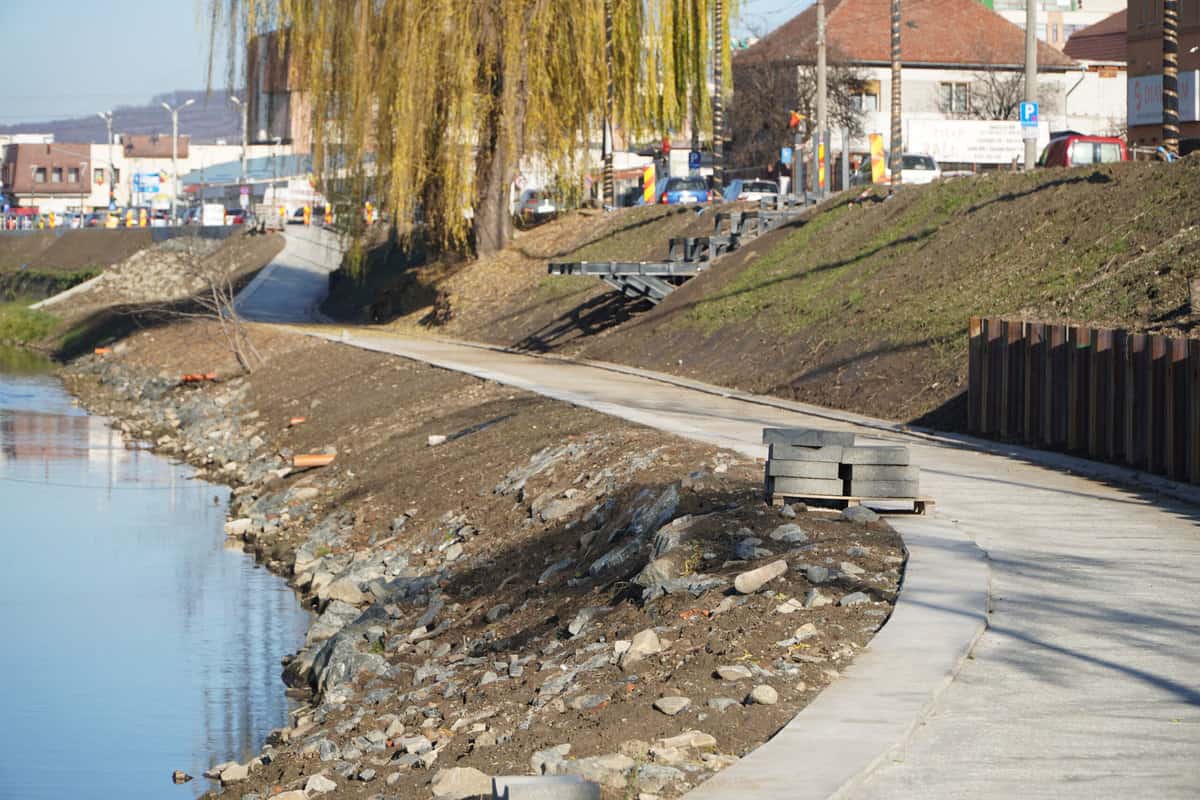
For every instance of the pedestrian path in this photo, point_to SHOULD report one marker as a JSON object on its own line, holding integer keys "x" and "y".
{"x": 290, "y": 288}
{"x": 1086, "y": 683}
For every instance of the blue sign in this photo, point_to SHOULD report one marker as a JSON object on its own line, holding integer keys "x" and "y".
{"x": 1029, "y": 115}
{"x": 785, "y": 155}
{"x": 146, "y": 182}
{"x": 694, "y": 160}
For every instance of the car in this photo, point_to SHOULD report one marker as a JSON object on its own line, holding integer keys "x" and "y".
{"x": 535, "y": 203}
{"x": 681, "y": 191}
{"x": 753, "y": 190}
{"x": 1075, "y": 149}
{"x": 915, "y": 168}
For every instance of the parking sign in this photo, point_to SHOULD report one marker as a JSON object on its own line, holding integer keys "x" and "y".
{"x": 694, "y": 160}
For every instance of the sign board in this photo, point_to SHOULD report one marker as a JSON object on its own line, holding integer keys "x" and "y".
{"x": 970, "y": 141}
{"x": 785, "y": 155}
{"x": 878, "y": 162}
{"x": 1029, "y": 120}
{"x": 146, "y": 182}
{"x": 648, "y": 185}
{"x": 693, "y": 160}
{"x": 1143, "y": 98}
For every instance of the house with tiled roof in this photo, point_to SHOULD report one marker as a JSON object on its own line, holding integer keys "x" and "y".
{"x": 962, "y": 70}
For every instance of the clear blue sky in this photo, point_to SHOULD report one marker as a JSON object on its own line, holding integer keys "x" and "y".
{"x": 123, "y": 52}
{"x": 106, "y": 53}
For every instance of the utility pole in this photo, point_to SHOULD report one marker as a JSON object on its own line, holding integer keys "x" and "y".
{"x": 719, "y": 98}
{"x": 1030, "y": 74}
{"x": 174, "y": 112}
{"x": 822, "y": 91}
{"x": 609, "y": 191}
{"x": 1170, "y": 77}
{"x": 896, "y": 132}
{"x": 107, "y": 116}
{"x": 245, "y": 113}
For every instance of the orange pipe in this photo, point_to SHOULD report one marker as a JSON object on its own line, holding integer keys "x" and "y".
{"x": 294, "y": 421}
{"x": 103, "y": 351}
{"x": 197, "y": 377}
{"x": 312, "y": 460}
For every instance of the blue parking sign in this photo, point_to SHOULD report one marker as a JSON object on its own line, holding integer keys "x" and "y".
{"x": 785, "y": 155}
{"x": 1029, "y": 114}
{"x": 694, "y": 160}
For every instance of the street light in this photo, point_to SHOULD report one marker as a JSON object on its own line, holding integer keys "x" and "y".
{"x": 174, "y": 112}
{"x": 107, "y": 116}
{"x": 83, "y": 181}
{"x": 245, "y": 109}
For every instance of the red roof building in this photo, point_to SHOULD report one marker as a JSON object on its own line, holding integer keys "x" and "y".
{"x": 1106, "y": 41}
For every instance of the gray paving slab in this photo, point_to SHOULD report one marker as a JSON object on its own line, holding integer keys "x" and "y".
{"x": 1087, "y": 682}
{"x": 292, "y": 286}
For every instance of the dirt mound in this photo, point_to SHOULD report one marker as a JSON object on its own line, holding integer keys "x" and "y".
{"x": 69, "y": 250}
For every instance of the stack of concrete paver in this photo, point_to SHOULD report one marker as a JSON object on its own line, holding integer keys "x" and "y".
{"x": 805, "y": 462}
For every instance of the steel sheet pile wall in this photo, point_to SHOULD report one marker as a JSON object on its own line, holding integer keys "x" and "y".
{"x": 1108, "y": 394}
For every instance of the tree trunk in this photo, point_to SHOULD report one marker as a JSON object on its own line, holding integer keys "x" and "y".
{"x": 493, "y": 222}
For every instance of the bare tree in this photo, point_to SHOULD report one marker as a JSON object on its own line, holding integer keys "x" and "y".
{"x": 766, "y": 92}
{"x": 996, "y": 94}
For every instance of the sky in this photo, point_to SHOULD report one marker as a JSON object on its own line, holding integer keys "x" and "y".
{"x": 108, "y": 53}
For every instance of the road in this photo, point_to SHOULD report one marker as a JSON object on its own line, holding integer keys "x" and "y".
{"x": 1087, "y": 681}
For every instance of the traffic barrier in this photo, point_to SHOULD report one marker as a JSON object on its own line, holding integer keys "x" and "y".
{"x": 1108, "y": 394}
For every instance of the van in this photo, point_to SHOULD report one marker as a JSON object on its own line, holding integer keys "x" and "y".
{"x": 1076, "y": 150}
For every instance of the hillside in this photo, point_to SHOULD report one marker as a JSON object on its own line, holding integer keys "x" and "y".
{"x": 211, "y": 118}
{"x": 862, "y": 306}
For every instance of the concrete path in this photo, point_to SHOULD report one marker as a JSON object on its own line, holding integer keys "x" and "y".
{"x": 290, "y": 288}
{"x": 1086, "y": 684}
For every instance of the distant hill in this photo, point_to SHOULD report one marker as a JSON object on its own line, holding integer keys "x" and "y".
{"x": 210, "y": 118}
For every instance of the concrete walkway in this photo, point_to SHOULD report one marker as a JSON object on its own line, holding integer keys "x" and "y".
{"x": 290, "y": 288}
{"x": 1086, "y": 684}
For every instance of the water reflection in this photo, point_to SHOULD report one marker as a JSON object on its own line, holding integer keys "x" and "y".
{"x": 135, "y": 643}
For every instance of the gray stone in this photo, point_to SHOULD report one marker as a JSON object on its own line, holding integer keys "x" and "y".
{"x": 854, "y": 599}
{"x": 788, "y": 452}
{"x": 815, "y": 599}
{"x": 621, "y": 557}
{"x": 655, "y": 515}
{"x": 585, "y": 616}
{"x": 722, "y": 704}
{"x": 789, "y": 533}
{"x": 816, "y": 574}
{"x": 807, "y": 437}
{"x": 753, "y": 580}
{"x": 586, "y": 702}
{"x": 319, "y": 784}
{"x": 656, "y": 777}
{"x": 547, "y": 761}
{"x": 453, "y": 552}
{"x": 861, "y": 488}
{"x": 734, "y": 673}
{"x": 802, "y": 469}
{"x": 345, "y": 590}
{"x": 498, "y": 612}
{"x": 787, "y": 512}
{"x": 850, "y": 568}
{"x": 875, "y": 455}
{"x": 415, "y": 745}
{"x": 860, "y": 514}
{"x": 367, "y": 775}
{"x": 555, "y": 568}
{"x": 544, "y": 787}
{"x": 328, "y": 750}
{"x": 805, "y": 487}
{"x": 748, "y": 549}
{"x": 234, "y": 774}
{"x": 644, "y": 643}
{"x": 609, "y": 770}
{"x": 672, "y": 705}
{"x": 460, "y": 783}
{"x": 763, "y": 695}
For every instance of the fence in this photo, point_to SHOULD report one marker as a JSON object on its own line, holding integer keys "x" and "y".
{"x": 1108, "y": 394}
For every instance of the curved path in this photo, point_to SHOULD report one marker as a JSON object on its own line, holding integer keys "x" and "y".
{"x": 292, "y": 286}
{"x": 1087, "y": 682}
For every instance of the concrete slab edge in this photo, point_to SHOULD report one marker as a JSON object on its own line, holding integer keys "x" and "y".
{"x": 940, "y": 614}
{"x": 861, "y": 720}
{"x": 66, "y": 294}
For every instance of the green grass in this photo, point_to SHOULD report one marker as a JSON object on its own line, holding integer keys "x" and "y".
{"x": 20, "y": 324}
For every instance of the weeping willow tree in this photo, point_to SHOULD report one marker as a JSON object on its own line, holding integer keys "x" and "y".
{"x": 428, "y": 105}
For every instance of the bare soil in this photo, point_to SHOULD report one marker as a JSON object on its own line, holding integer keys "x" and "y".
{"x": 378, "y": 412}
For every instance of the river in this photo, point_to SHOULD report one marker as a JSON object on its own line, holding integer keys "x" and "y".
{"x": 133, "y": 640}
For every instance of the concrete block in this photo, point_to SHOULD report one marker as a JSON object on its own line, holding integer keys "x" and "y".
{"x": 802, "y": 469}
{"x": 879, "y": 472}
{"x": 543, "y": 787}
{"x": 875, "y": 455}
{"x": 789, "y": 452}
{"x": 807, "y": 437}
{"x": 860, "y": 488}
{"x": 800, "y": 487}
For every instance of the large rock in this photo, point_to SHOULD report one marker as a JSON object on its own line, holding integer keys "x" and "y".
{"x": 645, "y": 643}
{"x": 609, "y": 770}
{"x": 235, "y": 773}
{"x": 753, "y": 580}
{"x": 461, "y": 783}
{"x": 672, "y": 705}
{"x": 860, "y": 514}
{"x": 789, "y": 533}
{"x": 319, "y": 784}
{"x": 653, "y": 516}
{"x": 340, "y": 661}
{"x": 763, "y": 695}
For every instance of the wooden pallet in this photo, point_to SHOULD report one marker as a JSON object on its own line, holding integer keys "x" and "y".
{"x": 919, "y": 504}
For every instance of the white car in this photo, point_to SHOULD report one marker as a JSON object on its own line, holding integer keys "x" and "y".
{"x": 535, "y": 203}
{"x": 915, "y": 169}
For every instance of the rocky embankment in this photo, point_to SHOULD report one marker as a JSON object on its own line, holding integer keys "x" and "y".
{"x": 501, "y": 584}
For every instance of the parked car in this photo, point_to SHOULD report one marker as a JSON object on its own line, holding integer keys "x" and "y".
{"x": 753, "y": 189}
{"x": 915, "y": 168}
{"x": 1075, "y": 149}
{"x": 681, "y": 191}
{"x": 535, "y": 203}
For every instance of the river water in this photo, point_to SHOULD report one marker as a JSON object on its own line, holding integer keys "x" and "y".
{"x": 133, "y": 642}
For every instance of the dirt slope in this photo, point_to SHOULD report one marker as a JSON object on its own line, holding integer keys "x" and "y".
{"x": 865, "y": 305}
{"x": 68, "y": 250}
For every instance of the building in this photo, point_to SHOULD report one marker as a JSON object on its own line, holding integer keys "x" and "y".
{"x": 962, "y": 79}
{"x": 277, "y": 111}
{"x": 63, "y": 177}
{"x": 1144, "y": 62}
{"x": 1057, "y": 20}
{"x": 1100, "y": 50}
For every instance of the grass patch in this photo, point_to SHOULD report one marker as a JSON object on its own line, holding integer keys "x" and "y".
{"x": 22, "y": 325}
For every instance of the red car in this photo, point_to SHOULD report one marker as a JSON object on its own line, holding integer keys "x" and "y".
{"x": 1075, "y": 150}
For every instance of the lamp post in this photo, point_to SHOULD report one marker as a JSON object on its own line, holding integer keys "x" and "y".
{"x": 83, "y": 182}
{"x": 245, "y": 113}
{"x": 174, "y": 112}
{"x": 107, "y": 116}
